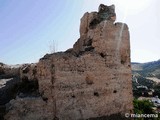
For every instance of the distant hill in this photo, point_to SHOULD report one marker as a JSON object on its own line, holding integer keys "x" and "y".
{"x": 149, "y": 69}
{"x": 146, "y": 78}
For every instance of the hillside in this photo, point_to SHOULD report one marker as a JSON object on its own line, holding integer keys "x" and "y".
{"x": 149, "y": 69}
{"x": 146, "y": 74}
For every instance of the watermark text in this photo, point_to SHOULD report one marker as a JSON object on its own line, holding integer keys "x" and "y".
{"x": 128, "y": 115}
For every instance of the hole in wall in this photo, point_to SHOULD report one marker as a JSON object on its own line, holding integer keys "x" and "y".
{"x": 73, "y": 96}
{"x": 102, "y": 55}
{"x": 45, "y": 99}
{"x": 122, "y": 61}
{"x": 96, "y": 94}
{"x": 115, "y": 91}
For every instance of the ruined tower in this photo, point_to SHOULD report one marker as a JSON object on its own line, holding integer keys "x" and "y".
{"x": 91, "y": 80}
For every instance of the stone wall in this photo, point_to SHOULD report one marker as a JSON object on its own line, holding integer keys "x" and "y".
{"x": 91, "y": 80}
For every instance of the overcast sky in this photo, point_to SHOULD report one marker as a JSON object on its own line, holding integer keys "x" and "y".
{"x": 28, "y": 28}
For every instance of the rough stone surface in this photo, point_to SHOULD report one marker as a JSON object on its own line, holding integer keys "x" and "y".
{"x": 26, "y": 109}
{"x": 29, "y": 71}
{"x": 8, "y": 81}
{"x": 89, "y": 81}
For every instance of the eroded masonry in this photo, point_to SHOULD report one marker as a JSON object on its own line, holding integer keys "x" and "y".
{"x": 90, "y": 80}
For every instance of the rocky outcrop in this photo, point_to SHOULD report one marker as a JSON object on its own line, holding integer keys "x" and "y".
{"x": 7, "y": 71}
{"x": 9, "y": 78}
{"x": 90, "y": 81}
{"x": 29, "y": 71}
{"x": 17, "y": 81}
{"x": 1, "y": 69}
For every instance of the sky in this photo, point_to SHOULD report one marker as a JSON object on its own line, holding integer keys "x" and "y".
{"x": 31, "y": 28}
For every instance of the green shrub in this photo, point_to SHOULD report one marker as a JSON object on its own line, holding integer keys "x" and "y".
{"x": 143, "y": 107}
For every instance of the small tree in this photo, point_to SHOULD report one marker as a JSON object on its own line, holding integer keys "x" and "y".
{"x": 52, "y": 46}
{"x": 143, "y": 107}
